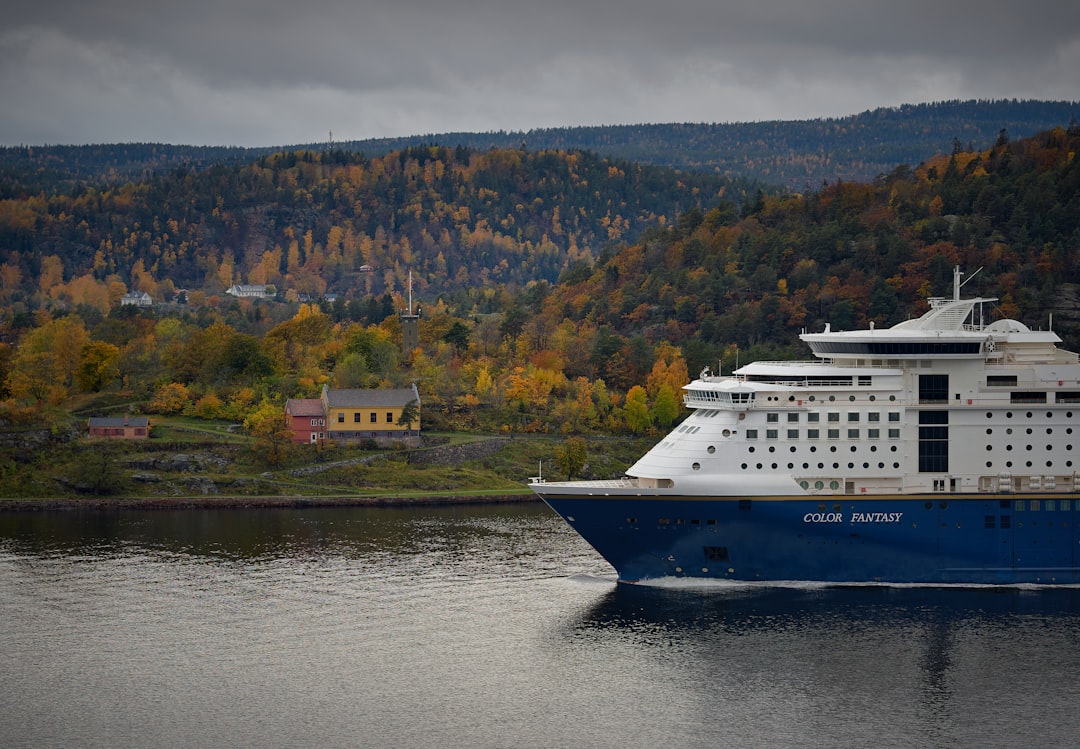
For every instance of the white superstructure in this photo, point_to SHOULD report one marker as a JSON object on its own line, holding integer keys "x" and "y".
{"x": 948, "y": 402}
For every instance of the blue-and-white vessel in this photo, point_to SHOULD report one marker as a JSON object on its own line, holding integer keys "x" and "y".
{"x": 940, "y": 450}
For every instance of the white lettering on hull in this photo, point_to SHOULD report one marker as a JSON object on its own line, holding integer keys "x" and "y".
{"x": 856, "y": 517}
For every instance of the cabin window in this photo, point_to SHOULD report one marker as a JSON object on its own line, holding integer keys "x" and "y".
{"x": 853, "y": 434}
{"x": 834, "y": 416}
{"x": 873, "y": 416}
{"x": 853, "y": 416}
{"x": 793, "y": 434}
{"x": 1067, "y": 397}
{"x": 1000, "y": 381}
{"x": 1027, "y": 396}
{"x": 771, "y": 434}
{"x": 813, "y": 434}
{"x": 894, "y": 416}
{"x": 873, "y": 434}
{"x": 772, "y": 418}
{"x": 813, "y": 418}
{"x": 751, "y": 434}
{"x": 793, "y": 418}
{"x": 834, "y": 434}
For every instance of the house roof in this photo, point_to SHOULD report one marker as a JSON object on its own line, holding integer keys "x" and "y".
{"x": 119, "y": 421}
{"x": 304, "y": 407}
{"x": 358, "y": 398}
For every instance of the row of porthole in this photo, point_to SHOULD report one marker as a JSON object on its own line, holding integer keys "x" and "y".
{"x": 1029, "y": 414}
{"x": 806, "y": 466}
{"x": 1009, "y": 464}
{"x": 813, "y": 448}
{"x": 1029, "y": 448}
{"x": 1029, "y": 430}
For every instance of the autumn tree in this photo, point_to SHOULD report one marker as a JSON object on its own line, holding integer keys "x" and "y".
{"x": 636, "y": 410}
{"x": 97, "y": 366}
{"x": 572, "y": 456}
{"x": 270, "y": 427}
{"x": 47, "y": 359}
{"x": 170, "y": 398}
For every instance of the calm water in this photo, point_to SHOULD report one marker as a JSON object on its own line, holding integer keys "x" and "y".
{"x": 488, "y": 627}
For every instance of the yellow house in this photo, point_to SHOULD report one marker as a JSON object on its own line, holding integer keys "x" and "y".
{"x": 354, "y": 414}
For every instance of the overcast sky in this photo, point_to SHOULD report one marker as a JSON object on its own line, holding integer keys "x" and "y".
{"x": 284, "y": 72}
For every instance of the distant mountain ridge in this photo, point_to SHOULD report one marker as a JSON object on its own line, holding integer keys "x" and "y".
{"x": 794, "y": 154}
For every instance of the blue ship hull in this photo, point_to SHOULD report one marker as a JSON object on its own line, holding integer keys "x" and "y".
{"x": 929, "y": 538}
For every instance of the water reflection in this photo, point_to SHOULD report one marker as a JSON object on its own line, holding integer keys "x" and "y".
{"x": 926, "y": 666}
{"x": 241, "y": 534}
{"x": 742, "y": 608}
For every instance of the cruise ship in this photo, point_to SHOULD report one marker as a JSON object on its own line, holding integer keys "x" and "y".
{"x": 937, "y": 451}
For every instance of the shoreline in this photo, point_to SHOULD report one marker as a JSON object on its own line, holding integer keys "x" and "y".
{"x": 46, "y": 504}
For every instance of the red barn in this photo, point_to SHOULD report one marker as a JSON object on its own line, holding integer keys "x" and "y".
{"x": 307, "y": 419}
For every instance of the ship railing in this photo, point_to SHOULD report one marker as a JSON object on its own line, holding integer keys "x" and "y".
{"x": 623, "y": 483}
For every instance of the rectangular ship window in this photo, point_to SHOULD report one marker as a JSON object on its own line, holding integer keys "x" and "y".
{"x": 894, "y": 434}
{"x": 834, "y": 434}
{"x": 873, "y": 416}
{"x": 772, "y": 418}
{"x": 1027, "y": 396}
{"x": 716, "y": 553}
{"x": 813, "y": 418}
{"x": 834, "y": 416}
{"x": 853, "y": 416}
{"x": 989, "y": 522}
{"x": 1067, "y": 397}
{"x": 813, "y": 434}
{"x": 793, "y": 434}
{"x": 873, "y": 433}
{"x": 853, "y": 434}
{"x": 771, "y": 434}
{"x": 793, "y": 418}
{"x": 744, "y": 505}
{"x": 894, "y": 416}
{"x": 1000, "y": 381}
{"x": 751, "y": 434}
{"x": 1018, "y": 505}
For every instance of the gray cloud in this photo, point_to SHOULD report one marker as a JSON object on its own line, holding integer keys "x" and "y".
{"x": 269, "y": 72}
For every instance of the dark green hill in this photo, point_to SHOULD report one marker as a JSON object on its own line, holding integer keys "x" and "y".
{"x": 795, "y": 154}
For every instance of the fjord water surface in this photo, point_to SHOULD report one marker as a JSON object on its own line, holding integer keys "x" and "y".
{"x": 488, "y": 626}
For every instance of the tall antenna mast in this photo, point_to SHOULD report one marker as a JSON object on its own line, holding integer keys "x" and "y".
{"x": 410, "y": 292}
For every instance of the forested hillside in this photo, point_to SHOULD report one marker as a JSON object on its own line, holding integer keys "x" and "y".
{"x": 793, "y": 154}
{"x": 605, "y": 347}
{"x": 462, "y": 222}
{"x": 848, "y": 254}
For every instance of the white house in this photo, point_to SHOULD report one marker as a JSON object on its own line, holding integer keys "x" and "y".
{"x": 252, "y": 290}
{"x": 138, "y": 298}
